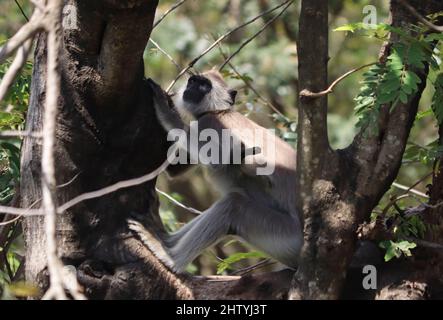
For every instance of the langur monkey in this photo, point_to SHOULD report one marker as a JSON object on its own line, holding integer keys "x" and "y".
{"x": 260, "y": 210}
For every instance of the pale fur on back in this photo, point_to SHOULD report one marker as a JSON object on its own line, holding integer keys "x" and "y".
{"x": 218, "y": 99}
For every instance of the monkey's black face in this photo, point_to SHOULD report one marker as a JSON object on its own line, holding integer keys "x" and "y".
{"x": 196, "y": 89}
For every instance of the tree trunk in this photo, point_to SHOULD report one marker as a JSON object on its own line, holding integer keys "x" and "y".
{"x": 106, "y": 133}
{"x": 337, "y": 190}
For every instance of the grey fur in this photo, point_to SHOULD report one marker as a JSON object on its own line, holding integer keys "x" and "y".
{"x": 260, "y": 210}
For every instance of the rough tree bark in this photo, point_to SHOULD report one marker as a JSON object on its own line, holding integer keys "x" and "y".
{"x": 337, "y": 190}
{"x": 107, "y": 132}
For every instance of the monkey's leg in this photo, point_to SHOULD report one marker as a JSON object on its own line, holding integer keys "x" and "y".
{"x": 181, "y": 247}
{"x": 203, "y": 231}
{"x": 276, "y": 233}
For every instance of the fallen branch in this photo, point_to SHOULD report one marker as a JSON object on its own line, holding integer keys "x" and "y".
{"x": 114, "y": 187}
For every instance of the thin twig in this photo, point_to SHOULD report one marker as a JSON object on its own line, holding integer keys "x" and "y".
{"x": 420, "y": 181}
{"x": 20, "y": 134}
{"x": 5, "y": 223}
{"x": 425, "y": 21}
{"x": 22, "y": 11}
{"x": 114, "y": 187}
{"x": 15, "y": 67}
{"x": 254, "y": 267}
{"x": 178, "y": 203}
{"x": 175, "y": 6}
{"x": 24, "y": 33}
{"x": 250, "y": 86}
{"x": 48, "y": 181}
{"x": 408, "y": 189}
{"x": 165, "y": 53}
{"x": 392, "y": 202}
{"x": 310, "y": 94}
{"x": 93, "y": 194}
{"x": 221, "y": 38}
{"x": 29, "y": 211}
{"x": 267, "y": 24}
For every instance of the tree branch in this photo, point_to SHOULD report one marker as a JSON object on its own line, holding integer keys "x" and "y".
{"x": 267, "y": 24}
{"x": 422, "y": 19}
{"x": 15, "y": 67}
{"x": 49, "y": 196}
{"x": 308, "y": 94}
{"x": 165, "y": 53}
{"x": 250, "y": 86}
{"x": 171, "y": 9}
{"x": 378, "y": 155}
{"x": 220, "y": 39}
{"x": 26, "y": 32}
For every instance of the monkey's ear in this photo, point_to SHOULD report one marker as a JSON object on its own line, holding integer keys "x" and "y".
{"x": 233, "y": 94}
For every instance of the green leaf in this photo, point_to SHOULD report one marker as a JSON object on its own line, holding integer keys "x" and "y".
{"x": 236, "y": 257}
{"x": 352, "y": 27}
{"x": 391, "y": 250}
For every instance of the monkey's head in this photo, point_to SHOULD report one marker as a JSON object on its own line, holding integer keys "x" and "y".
{"x": 205, "y": 92}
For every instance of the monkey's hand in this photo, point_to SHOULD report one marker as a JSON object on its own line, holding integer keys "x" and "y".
{"x": 160, "y": 96}
{"x": 152, "y": 243}
{"x": 167, "y": 114}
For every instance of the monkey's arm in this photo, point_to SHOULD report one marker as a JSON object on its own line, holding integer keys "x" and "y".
{"x": 167, "y": 114}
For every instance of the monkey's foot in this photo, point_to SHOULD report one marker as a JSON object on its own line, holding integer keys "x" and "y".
{"x": 152, "y": 243}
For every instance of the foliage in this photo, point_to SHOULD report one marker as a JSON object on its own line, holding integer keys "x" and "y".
{"x": 397, "y": 79}
{"x": 425, "y": 155}
{"x": 12, "y": 115}
{"x": 397, "y": 249}
{"x": 391, "y": 83}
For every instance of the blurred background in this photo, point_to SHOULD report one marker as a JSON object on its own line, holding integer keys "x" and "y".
{"x": 267, "y": 66}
